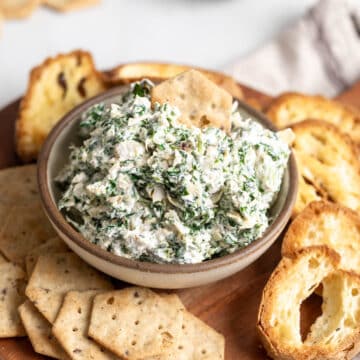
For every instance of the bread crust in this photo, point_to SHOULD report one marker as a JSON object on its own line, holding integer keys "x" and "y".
{"x": 127, "y": 73}
{"x": 32, "y": 131}
{"x": 292, "y": 107}
{"x": 328, "y": 164}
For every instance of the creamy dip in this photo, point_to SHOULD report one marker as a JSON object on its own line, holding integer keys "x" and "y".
{"x": 144, "y": 186}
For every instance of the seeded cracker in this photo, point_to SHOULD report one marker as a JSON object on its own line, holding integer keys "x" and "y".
{"x": 12, "y": 283}
{"x": 39, "y": 331}
{"x": 200, "y": 101}
{"x": 53, "y": 245}
{"x": 56, "y": 274}
{"x": 24, "y": 228}
{"x": 71, "y": 327}
{"x": 135, "y": 323}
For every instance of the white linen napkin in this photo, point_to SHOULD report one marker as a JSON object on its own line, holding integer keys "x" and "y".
{"x": 319, "y": 54}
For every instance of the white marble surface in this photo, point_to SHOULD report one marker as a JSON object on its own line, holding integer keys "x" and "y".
{"x": 209, "y": 33}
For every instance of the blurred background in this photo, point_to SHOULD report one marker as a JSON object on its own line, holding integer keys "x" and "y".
{"x": 208, "y": 33}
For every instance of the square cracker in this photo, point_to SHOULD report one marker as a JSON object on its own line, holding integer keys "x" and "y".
{"x": 39, "y": 331}
{"x": 53, "y": 245}
{"x": 18, "y": 186}
{"x": 12, "y": 284}
{"x": 197, "y": 341}
{"x": 71, "y": 327}
{"x": 200, "y": 101}
{"x": 135, "y": 323}
{"x": 24, "y": 228}
{"x": 56, "y": 274}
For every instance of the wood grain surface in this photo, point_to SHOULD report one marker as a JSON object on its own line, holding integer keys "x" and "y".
{"x": 231, "y": 305}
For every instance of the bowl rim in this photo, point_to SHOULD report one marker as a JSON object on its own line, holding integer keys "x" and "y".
{"x": 268, "y": 238}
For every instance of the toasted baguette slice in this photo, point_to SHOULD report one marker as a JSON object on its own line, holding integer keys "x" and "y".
{"x": 335, "y": 334}
{"x": 290, "y": 108}
{"x": 328, "y": 165}
{"x": 55, "y": 87}
{"x": 293, "y": 280}
{"x": 128, "y": 73}
{"x": 18, "y": 9}
{"x": 324, "y": 223}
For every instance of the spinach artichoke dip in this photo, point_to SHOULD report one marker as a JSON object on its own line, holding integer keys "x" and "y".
{"x": 146, "y": 187}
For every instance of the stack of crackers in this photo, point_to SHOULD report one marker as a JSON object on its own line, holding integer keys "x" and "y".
{"x": 71, "y": 311}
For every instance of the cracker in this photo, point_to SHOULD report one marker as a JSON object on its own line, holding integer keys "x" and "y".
{"x": 328, "y": 165}
{"x": 17, "y": 9}
{"x": 18, "y": 186}
{"x": 39, "y": 332}
{"x": 56, "y": 274}
{"x": 55, "y": 87}
{"x": 24, "y": 228}
{"x": 196, "y": 341}
{"x": 200, "y": 101}
{"x": 67, "y": 5}
{"x": 290, "y": 108}
{"x": 53, "y": 245}
{"x": 12, "y": 283}
{"x": 127, "y": 73}
{"x": 135, "y": 323}
{"x": 71, "y": 327}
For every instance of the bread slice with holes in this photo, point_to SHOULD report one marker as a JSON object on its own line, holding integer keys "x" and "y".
{"x": 54, "y": 88}
{"x": 335, "y": 334}
{"x": 328, "y": 165}
{"x": 325, "y": 223}
{"x": 290, "y": 108}
{"x": 292, "y": 281}
{"x": 127, "y": 73}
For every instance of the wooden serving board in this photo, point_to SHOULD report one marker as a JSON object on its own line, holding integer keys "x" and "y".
{"x": 231, "y": 305}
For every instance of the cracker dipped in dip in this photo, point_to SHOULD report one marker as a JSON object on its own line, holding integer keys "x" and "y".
{"x": 148, "y": 184}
